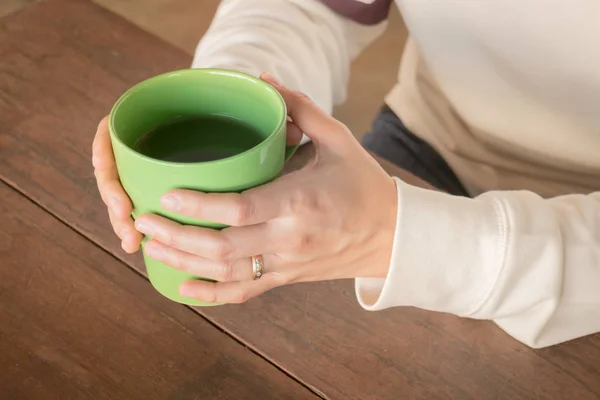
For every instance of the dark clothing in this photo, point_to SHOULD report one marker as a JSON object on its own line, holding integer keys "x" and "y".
{"x": 390, "y": 139}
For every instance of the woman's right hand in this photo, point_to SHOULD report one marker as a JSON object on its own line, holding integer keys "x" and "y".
{"x": 114, "y": 196}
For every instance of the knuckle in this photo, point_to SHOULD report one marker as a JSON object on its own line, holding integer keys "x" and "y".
{"x": 241, "y": 211}
{"x": 117, "y": 229}
{"x": 189, "y": 204}
{"x": 302, "y": 97}
{"x": 191, "y": 208}
{"x": 241, "y": 297}
{"x": 97, "y": 159}
{"x": 301, "y": 201}
{"x": 170, "y": 240}
{"x": 298, "y": 201}
{"x": 222, "y": 249}
{"x": 104, "y": 199}
{"x": 210, "y": 297}
{"x": 173, "y": 237}
{"x": 187, "y": 264}
{"x": 176, "y": 262}
{"x": 225, "y": 273}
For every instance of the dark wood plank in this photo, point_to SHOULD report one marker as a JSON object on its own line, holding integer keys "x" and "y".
{"x": 77, "y": 324}
{"x": 10, "y": 6}
{"x": 317, "y": 331}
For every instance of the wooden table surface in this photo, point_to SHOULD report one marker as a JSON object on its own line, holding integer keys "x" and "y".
{"x": 78, "y": 320}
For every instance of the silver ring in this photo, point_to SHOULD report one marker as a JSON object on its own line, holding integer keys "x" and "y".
{"x": 258, "y": 266}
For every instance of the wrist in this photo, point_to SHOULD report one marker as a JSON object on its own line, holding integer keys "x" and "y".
{"x": 384, "y": 227}
{"x": 388, "y": 230}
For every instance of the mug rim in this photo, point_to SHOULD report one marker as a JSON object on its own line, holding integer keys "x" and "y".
{"x": 190, "y": 71}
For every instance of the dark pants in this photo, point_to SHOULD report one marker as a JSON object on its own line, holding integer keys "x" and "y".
{"x": 390, "y": 139}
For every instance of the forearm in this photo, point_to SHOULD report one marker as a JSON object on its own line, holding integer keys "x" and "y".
{"x": 303, "y": 43}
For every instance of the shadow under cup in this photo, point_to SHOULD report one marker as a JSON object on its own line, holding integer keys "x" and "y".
{"x": 195, "y": 93}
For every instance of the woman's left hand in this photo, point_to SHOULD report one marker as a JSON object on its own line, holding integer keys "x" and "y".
{"x": 333, "y": 219}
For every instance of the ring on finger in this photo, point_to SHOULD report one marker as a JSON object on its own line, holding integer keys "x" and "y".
{"x": 258, "y": 266}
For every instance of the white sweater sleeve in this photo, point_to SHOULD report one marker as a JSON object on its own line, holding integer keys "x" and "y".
{"x": 302, "y": 42}
{"x": 531, "y": 265}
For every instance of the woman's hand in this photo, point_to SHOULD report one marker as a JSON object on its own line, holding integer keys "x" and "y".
{"x": 112, "y": 193}
{"x": 114, "y": 196}
{"x": 334, "y": 218}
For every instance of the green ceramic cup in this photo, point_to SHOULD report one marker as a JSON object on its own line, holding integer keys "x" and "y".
{"x": 191, "y": 93}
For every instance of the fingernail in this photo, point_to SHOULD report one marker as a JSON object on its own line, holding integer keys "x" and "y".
{"x": 154, "y": 251}
{"x": 170, "y": 202}
{"x": 144, "y": 227}
{"x": 114, "y": 203}
{"x": 186, "y": 290}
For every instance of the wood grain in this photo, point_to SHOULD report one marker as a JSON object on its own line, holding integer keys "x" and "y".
{"x": 59, "y": 79}
{"x": 10, "y": 6}
{"x": 179, "y": 22}
{"x": 77, "y": 324}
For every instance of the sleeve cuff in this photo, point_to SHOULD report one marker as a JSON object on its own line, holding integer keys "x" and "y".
{"x": 446, "y": 256}
{"x": 305, "y": 139}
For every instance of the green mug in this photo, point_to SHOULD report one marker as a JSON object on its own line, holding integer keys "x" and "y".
{"x": 195, "y": 93}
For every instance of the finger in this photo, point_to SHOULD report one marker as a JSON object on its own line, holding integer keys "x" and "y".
{"x": 310, "y": 119}
{"x": 251, "y": 207}
{"x": 114, "y": 197}
{"x": 248, "y": 241}
{"x": 132, "y": 239}
{"x": 116, "y": 223}
{"x": 228, "y": 292}
{"x": 102, "y": 156}
{"x": 107, "y": 177}
{"x": 125, "y": 230}
{"x": 293, "y": 135}
{"x": 222, "y": 271}
{"x": 206, "y": 242}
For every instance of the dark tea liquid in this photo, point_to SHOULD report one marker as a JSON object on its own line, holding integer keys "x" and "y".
{"x": 198, "y": 139}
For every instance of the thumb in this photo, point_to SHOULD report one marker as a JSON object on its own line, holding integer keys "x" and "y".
{"x": 309, "y": 117}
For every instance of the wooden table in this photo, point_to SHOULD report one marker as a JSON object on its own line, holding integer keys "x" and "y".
{"x": 78, "y": 320}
